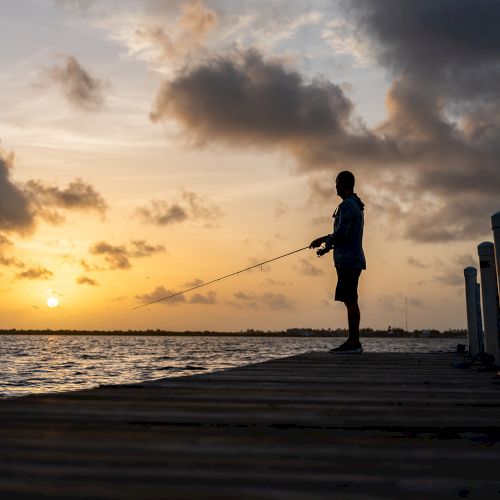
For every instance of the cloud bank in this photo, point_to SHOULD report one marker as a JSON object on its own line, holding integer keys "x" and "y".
{"x": 23, "y": 204}
{"x": 433, "y": 161}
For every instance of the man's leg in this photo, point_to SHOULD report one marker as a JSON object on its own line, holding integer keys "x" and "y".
{"x": 353, "y": 319}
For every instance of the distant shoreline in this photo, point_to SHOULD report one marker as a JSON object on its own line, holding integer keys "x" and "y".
{"x": 291, "y": 332}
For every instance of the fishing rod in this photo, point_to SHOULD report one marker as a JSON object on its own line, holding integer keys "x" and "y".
{"x": 220, "y": 279}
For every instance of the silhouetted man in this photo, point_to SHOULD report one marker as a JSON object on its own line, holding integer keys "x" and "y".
{"x": 349, "y": 258}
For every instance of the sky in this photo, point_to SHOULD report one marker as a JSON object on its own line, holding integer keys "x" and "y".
{"x": 149, "y": 146}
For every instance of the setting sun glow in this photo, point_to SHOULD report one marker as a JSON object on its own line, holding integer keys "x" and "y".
{"x": 52, "y": 301}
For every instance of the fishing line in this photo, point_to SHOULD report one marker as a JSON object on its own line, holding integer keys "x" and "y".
{"x": 219, "y": 279}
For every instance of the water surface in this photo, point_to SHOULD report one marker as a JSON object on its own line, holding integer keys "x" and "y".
{"x": 40, "y": 364}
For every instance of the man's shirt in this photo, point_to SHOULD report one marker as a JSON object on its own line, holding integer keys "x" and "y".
{"x": 347, "y": 236}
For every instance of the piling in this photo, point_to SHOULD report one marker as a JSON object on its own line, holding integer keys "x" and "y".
{"x": 474, "y": 324}
{"x": 495, "y": 226}
{"x": 489, "y": 294}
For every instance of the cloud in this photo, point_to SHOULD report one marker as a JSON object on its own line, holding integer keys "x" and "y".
{"x": 438, "y": 147}
{"x": 79, "y": 87}
{"x": 5, "y": 260}
{"x": 193, "y": 283}
{"x": 140, "y": 248}
{"x": 308, "y": 269}
{"x": 451, "y": 273}
{"x": 23, "y": 204}
{"x": 199, "y": 208}
{"x": 273, "y": 301}
{"x": 208, "y": 299}
{"x": 163, "y": 43}
{"x": 244, "y": 100}
{"x": 11, "y": 262}
{"x": 118, "y": 256}
{"x": 397, "y": 303}
{"x": 85, "y": 280}
{"x": 115, "y": 255}
{"x": 34, "y": 273}
{"x": 280, "y": 209}
{"x": 444, "y": 58}
{"x": 74, "y": 6}
{"x": 79, "y": 195}
{"x": 273, "y": 282}
{"x": 15, "y": 211}
{"x": 159, "y": 293}
{"x": 343, "y": 36}
{"x": 412, "y": 261}
{"x": 191, "y": 206}
{"x": 161, "y": 213}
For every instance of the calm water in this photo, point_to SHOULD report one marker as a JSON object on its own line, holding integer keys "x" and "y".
{"x": 34, "y": 364}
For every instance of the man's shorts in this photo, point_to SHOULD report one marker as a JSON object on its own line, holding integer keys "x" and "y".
{"x": 347, "y": 284}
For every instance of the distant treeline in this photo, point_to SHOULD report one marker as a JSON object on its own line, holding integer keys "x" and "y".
{"x": 291, "y": 332}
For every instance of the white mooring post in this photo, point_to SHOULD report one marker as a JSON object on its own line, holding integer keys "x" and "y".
{"x": 474, "y": 323}
{"x": 495, "y": 225}
{"x": 489, "y": 294}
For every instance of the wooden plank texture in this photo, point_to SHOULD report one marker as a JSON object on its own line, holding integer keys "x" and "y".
{"x": 317, "y": 425}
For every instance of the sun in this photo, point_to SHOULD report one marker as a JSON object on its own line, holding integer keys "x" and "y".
{"x": 52, "y": 301}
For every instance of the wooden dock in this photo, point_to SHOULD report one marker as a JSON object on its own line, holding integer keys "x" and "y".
{"x": 317, "y": 425}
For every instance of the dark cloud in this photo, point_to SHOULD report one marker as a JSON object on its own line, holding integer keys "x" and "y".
{"x": 161, "y": 292}
{"x": 308, "y": 269}
{"x": 22, "y": 204}
{"x": 46, "y": 200}
{"x": 81, "y": 89}
{"x": 118, "y": 256}
{"x": 85, "y": 280}
{"x": 244, "y": 100}
{"x": 273, "y": 301}
{"x": 448, "y": 41}
{"x": 191, "y": 206}
{"x": 15, "y": 210}
{"x": 35, "y": 273}
{"x": 444, "y": 58}
{"x": 433, "y": 161}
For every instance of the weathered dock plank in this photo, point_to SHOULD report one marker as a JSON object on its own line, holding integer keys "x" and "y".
{"x": 377, "y": 425}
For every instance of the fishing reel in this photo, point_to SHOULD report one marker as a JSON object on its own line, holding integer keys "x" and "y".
{"x": 323, "y": 250}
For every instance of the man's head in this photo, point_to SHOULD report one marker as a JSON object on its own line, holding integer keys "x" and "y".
{"x": 344, "y": 184}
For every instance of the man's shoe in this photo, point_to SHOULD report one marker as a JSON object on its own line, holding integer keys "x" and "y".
{"x": 348, "y": 348}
